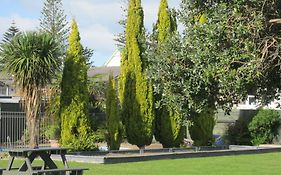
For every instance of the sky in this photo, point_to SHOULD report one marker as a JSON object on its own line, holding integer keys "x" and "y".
{"x": 97, "y": 20}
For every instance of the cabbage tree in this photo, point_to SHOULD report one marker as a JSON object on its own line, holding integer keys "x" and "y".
{"x": 31, "y": 58}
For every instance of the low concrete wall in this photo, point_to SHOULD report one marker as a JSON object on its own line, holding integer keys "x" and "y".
{"x": 113, "y": 158}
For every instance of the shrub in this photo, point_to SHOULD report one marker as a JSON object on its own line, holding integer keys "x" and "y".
{"x": 238, "y": 133}
{"x": 84, "y": 143}
{"x": 52, "y": 132}
{"x": 201, "y": 128}
{"x": 113, "y": 117}
{"x": 264, "y": 126}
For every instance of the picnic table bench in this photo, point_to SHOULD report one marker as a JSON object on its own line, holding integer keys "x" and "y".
{"x": 1, "y": 171}
{"x": 72, "y": 171}
{"x": 49, "y": 167}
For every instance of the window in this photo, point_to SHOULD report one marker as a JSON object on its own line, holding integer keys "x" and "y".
{"x": 3, "y": 90}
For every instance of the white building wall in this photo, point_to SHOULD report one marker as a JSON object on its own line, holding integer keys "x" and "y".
{"x": 115, "y": 60}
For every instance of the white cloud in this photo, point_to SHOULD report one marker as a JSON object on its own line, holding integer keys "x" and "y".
{"x": 97, "y": 37}
{"x": 25, "y": 23}
{"x": 89, "y": 11}
{"x": 98, "y": 24}
{"x": 22, "y": 23}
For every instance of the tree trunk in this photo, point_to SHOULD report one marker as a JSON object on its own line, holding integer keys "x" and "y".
{"x": 142, "y": 148}
{"x": 33, "y": 128}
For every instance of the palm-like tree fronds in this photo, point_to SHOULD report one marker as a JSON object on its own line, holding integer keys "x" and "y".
{"x": 33, "y": 60}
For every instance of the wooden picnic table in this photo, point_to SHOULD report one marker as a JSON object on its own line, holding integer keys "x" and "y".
{"x": 48, "y": 167}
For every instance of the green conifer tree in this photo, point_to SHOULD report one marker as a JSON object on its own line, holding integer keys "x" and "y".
{"x": 75, "y": 127}
{"x": 113, "y": 119}
{"x": 7, "y": 37}
{"x": 53, "y": 21}
{"x": 169, "y": 130}
{"x": 166, "y": 24}
{"x": 11, "y": 32}
{"x": 135, "y": 90}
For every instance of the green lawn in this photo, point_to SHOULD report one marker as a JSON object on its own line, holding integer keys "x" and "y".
{"x": 260, "y": 164}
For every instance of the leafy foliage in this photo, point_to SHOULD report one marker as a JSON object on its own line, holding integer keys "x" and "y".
{"x": 169, "y": 129}
{"x": 168, "y": 122}
{"x": 52, "y": 132}
{"x": 52, "y": 109}
{"x": 84, "y": 143}
{"x": 222, "y": 52}
{"x": 97, "y": 92}
{"x": 75, "y": 130}
{"x": 135, "y": 90}
{"x": 269, "y": 42}
{"x": 264, "y": 126}
{"x": 32, "y": 60}
{"x": 212, "y": 65}
{"x": 113, "y": 118}
{"x": 201, "y": 128}
{"x": 238, "y": 133}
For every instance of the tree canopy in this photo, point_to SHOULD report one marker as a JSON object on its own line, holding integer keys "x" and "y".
{"x": 213, "y": 64}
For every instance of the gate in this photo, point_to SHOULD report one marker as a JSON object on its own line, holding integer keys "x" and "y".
{"x": 13, "y": 131}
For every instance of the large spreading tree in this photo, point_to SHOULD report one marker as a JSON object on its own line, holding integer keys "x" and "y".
{"x": 32, "y": 60}
{"x": 169, "y": 130}
{"x": 212, "y": 65}
{"x": 134, "y": 87}
{"x": 269, "y": 41}
{"x": 75, "y": 123}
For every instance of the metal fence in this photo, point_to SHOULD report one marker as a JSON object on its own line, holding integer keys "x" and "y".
{"x": 13, "y": 130}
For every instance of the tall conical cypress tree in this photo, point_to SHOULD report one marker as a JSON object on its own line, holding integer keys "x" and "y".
{"x": 135, "y": 90}
{"x": 166, "y": 24}
{"x": 113, "y": 119}
{"x": 74, "y": 95}
{"x": 169, "y": 130}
